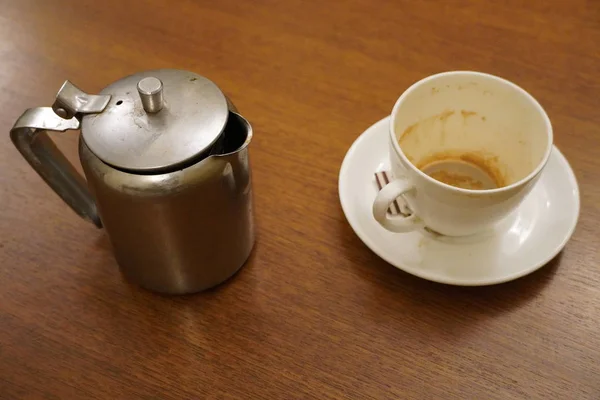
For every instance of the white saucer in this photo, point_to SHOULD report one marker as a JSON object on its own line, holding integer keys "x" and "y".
{"x": 528, "y": 239}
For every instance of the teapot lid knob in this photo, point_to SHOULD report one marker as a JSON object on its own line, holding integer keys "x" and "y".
{"x": 150, "y": 90}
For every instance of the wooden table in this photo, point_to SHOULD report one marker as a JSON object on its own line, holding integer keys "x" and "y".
{"x": 314, "y": 313}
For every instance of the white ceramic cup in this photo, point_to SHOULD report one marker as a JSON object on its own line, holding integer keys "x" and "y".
{"x": 484, "y": 135}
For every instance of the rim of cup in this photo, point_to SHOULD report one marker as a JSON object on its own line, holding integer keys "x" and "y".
{"x": 537, "y": 105}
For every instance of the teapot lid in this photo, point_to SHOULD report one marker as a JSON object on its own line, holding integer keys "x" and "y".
{"x": 156, "y": 120}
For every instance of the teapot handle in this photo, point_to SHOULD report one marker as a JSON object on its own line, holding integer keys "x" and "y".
{"x": 31, "y": 139}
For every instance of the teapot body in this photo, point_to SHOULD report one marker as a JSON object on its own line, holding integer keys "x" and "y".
{"x": 182, "y": 231}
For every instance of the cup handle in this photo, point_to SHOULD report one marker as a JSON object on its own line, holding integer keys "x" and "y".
{"x": 384, "y": 198}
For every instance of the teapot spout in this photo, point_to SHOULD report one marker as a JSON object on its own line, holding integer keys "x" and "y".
{"x": 236, "y": 136}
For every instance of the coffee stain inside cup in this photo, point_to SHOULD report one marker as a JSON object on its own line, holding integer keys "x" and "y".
{"x": 465, "y": 169}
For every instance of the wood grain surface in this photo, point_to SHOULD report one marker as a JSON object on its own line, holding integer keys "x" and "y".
{"x": 314, "y": 314}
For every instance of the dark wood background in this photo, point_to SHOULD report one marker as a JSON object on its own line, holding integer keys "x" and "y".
{"x": 314, "y": 314}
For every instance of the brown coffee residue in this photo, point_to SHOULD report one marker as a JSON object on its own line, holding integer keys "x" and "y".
{"x": 411, "y": 133}
{"x": 457, "y": 180}
{"x": 408, "y": 131}
{"x": 483, "y": 161}
{"x": 444, "y": 116}
{"x": 486, "y": 162}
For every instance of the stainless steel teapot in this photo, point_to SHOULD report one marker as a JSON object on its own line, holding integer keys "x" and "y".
{"x": 165, "y": 155}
